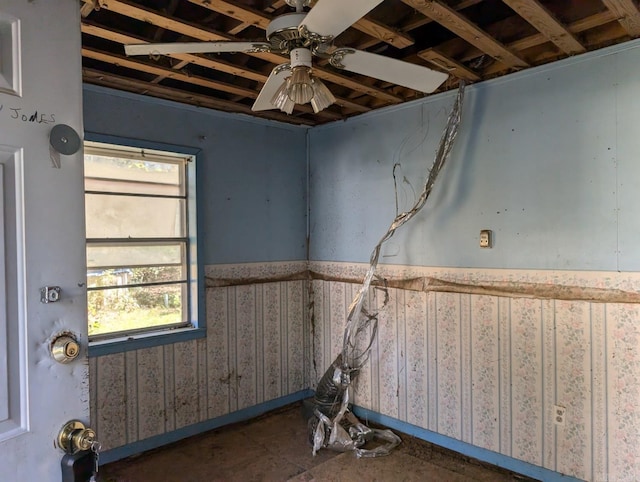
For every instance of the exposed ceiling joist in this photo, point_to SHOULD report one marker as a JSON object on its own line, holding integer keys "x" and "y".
{"x": 447, "y": 64}
{"x": 547, "y": 24}
{"x": 208, "y": 62}
{"x": 627, "y": 13}
{"x": 381, "y": 32}
{"x": 179, "y": 66}
{"x": 249, "y": 16}
{"x": 139, "y": 87}
{"x": 604, "y": 35}
{"x": 419, "y": 21}
{"x": 86, "y": 9}
{"x": 457, "y": 23}
{"x": 460, "y": 37}
{"x": 122, "y": 61}
{"x": 132, "y": 10}
{"x": 204, "y": 62}
{"x": 526, "y": 42}
{"x": 238, "y": 11}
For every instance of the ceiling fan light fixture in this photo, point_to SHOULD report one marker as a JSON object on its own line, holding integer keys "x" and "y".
{"x": 322, "y": 96}
{"x": 281, "y": 98}
{"x": 300, "y": 90}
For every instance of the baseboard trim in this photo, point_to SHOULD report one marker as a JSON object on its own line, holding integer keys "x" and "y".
{"x": 479, "y": 453}
{"x": 198, "y": 428}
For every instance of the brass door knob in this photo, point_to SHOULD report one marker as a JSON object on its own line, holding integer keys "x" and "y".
{"x": 76, "y": 437}
{"x": 83, "y": 439}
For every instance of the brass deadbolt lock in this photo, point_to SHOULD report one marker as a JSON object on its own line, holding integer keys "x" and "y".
{"x": 65, "y": 349}
{"x": 75, "y": 437}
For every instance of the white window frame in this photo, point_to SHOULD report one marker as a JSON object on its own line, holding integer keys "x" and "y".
{"x": 190, "y": 289}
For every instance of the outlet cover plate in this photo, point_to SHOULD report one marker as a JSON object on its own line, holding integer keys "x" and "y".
{"x": 485, "y": 238}
{"x": 559, "y": 414}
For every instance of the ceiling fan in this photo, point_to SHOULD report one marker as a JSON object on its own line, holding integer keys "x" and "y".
{"x": 303, "y": 35}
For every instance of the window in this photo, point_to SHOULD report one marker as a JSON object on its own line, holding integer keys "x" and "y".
{"x": 139, "y": 240}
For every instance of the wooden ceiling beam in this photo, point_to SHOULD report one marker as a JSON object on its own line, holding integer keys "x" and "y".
{"x": 239, "y": 28}
{"x": 547, "y": 24}
{"x": 249, "y": 16}
{"x": 449, "y": 65}
{"x": 413, "y": 24}
{"x": 179, "y": 66}
{"x": 384, "y": 33}
{"x": 461, "y": 26}
{"x": 350, "y": 105}
{"x": 459, "y": 49}
{"x": 592, "y": 21}
{"x": 92, "y": 76}
{"x": 627, "y": 13}
{"x": 189, "y": 79}
{"x": 169, "y": 10}
{"x": 380, "y": 32}
{"x": 121, "y": 38}
{"x": 243, "y": 25}
{"x": 146, "y": 15}
{"x": 207, "y": 62}
{"x": 122, "y": 61}
{"x": 592, "y": 39}
{"x": 131, "y": 10}
{"x": 86, "y": 9}
{"x": 275, "y": 6}
{"x": 236, "y": 10}
{"x": 525, "y": 43}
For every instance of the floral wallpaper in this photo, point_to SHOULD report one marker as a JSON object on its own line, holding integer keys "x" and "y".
{"x": 255, "y": 350}
{"x": 485, "y": 369}
{"x": 489, "y": 370}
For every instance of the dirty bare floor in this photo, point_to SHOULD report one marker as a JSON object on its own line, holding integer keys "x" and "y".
{"x": 275, "y": 447}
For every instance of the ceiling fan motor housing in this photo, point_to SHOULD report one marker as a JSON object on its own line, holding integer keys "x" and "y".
{"x": 283, "y": 33}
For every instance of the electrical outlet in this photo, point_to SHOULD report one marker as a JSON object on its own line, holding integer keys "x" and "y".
{"x": 559, "y": 414}
{"x": 485, "y": 238}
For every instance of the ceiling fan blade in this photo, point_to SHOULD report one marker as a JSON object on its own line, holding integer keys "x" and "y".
{"x": 273, "y": 83}
{"x": 195, "y": 48}
{"x": 332, "y": 17}
{"x": 410, "y": 75}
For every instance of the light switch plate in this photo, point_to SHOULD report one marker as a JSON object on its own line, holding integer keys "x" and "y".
{"x": 485, "y": 238}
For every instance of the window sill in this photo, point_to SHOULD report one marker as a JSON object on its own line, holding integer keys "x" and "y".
{"x": 144, "y": 340}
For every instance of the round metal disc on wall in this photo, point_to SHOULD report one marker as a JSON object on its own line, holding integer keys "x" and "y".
{"x": 64, "y": 139}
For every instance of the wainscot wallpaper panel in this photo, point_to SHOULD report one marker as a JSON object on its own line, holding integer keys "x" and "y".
{"x": 254, "y": 351}
{"x": 489, "y": 370}
{"x": 482, "y": 365}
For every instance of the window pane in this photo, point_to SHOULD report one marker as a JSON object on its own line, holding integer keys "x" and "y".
{"x": 109, "y": 216}
{"x": 113, "y": 174}
{"x": 137, "y": 239}
{"x": 132, "y": 276}
{"x": 125, "y": 309}
{"x": 133, "y": 254}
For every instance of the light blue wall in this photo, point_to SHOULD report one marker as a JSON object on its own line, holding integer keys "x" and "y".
{"x": 252, "y": 174}
{"x": 548, "y": 159}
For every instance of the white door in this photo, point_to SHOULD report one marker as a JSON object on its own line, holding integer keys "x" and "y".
{"x": 42, "y": 242}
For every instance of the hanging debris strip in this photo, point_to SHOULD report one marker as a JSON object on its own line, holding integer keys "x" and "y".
{"x": 331, "y": 424}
